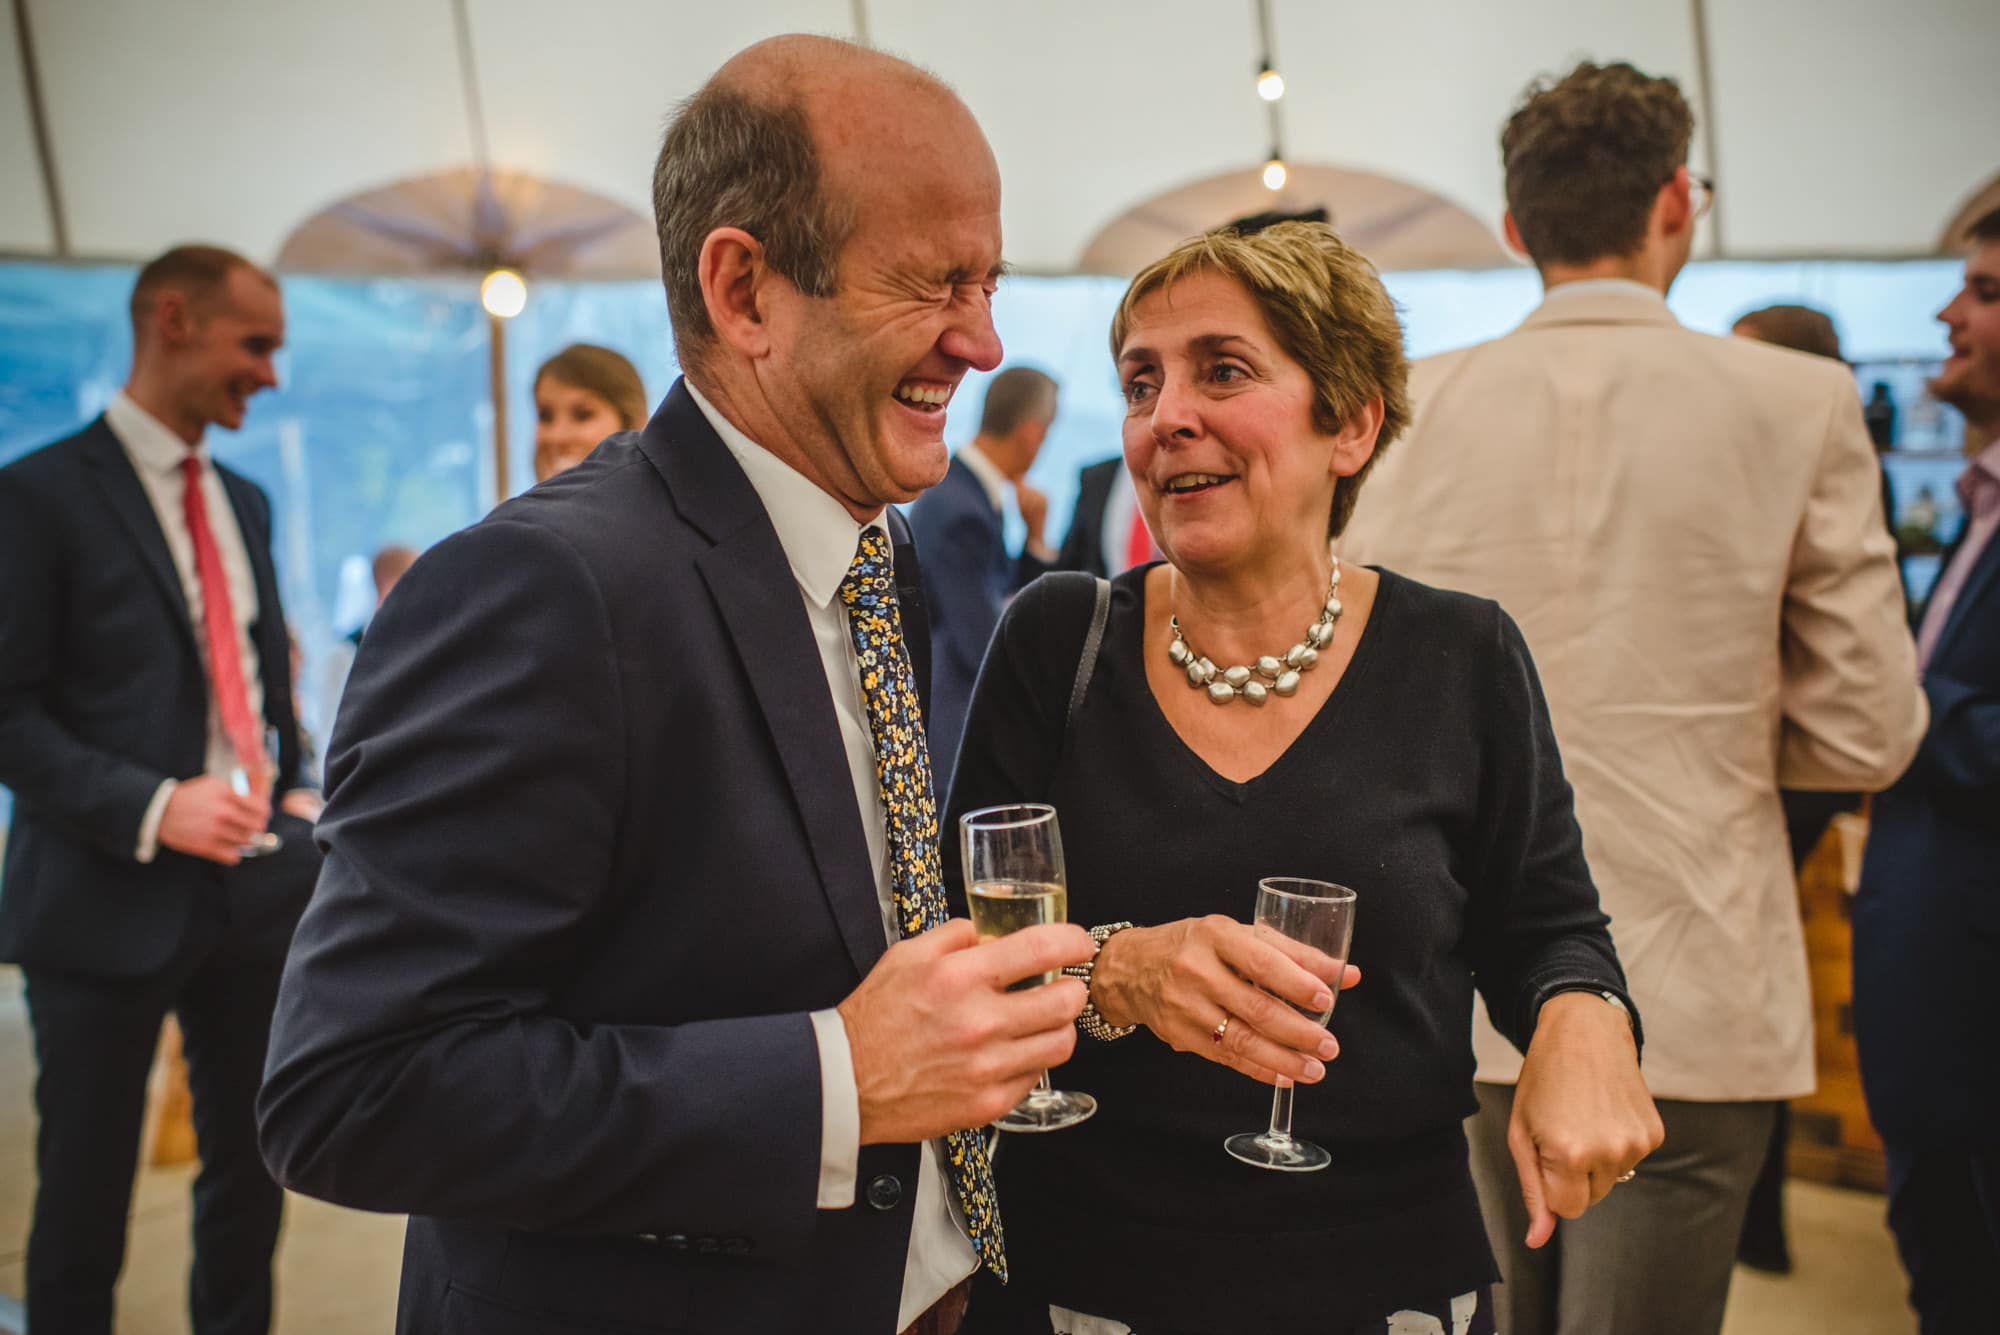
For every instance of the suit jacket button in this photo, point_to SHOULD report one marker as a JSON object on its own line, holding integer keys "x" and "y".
{"x": 675, "y": 1242}
{"x": 736, "y": 1246}
{"x": 885, "y": 1192}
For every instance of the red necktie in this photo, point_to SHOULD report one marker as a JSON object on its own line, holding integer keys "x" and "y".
{"x": 225, "y": 663}
{"x": 1139, "y": 548}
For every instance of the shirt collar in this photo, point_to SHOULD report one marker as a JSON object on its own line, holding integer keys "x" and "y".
{"x": 990, "y": 477}
{"x": 1987, "y": 461}
{"x": 818, "y": 534}
{"x": 1586, "y": 287}
{"x": 150, "y": 443}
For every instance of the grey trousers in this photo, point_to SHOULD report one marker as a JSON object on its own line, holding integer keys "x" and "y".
{"x": 1653, "y": 1257}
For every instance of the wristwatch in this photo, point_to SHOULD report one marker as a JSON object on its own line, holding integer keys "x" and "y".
{"x": 1089, "y": 1020}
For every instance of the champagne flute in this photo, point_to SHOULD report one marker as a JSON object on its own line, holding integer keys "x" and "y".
{"x": 1014, "y": 879}
{"x": 1321, "y": 915}
{"x": 252, "y": 777}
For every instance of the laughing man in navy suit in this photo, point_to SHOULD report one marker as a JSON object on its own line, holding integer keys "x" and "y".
{"x": 1927, "y": 918}
{"x": 628, "y": 797}
{"x": 968, "y": 575}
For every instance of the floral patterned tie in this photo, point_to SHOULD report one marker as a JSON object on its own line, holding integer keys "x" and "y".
{"x": 910, "y": 812}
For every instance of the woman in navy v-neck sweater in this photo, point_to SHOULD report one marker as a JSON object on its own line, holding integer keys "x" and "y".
{"x": 1415, "y": 763}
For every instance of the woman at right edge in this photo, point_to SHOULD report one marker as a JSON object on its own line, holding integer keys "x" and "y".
{"x": 1411, "y": 758}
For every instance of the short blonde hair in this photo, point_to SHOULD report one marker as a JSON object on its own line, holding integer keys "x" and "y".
{"x": 1327, "y": 308}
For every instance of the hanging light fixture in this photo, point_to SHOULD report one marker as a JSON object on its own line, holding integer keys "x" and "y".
{"x": 504, "y": 294}
{"x": 1270, "y": 87}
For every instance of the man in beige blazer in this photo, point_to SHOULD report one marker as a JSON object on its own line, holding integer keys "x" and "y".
{"x": 1688, "y": 530}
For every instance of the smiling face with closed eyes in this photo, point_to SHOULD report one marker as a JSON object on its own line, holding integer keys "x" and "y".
{"x": 861, "y": 378}
{"x": 1230, "y": 470}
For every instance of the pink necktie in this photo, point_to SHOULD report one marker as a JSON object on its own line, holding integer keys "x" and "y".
{"x": 225, "y": 663}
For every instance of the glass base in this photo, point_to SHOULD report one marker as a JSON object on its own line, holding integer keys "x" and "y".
{"x": 262, "y": 845}
{"x": 1048, "y": 1110}
{"x": 1284, "y": 1154}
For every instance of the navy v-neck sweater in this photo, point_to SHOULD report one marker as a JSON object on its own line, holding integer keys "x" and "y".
{"x": 1429, "y": 782}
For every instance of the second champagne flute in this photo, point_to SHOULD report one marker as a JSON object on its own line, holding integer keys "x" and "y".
{"x": 1321, "y": 915}
{"x": 251, "y": 776}
{"x": 1014, "y": 879}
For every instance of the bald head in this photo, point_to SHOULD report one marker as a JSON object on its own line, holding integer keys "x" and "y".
{"x": 793, "y": 140}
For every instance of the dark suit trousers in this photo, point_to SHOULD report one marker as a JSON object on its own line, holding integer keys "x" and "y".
{"x": 1944, "y": 1207}
{"x": 94, "y": 1044}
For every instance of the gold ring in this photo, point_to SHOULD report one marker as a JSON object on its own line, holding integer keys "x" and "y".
{"x": 1215, "y": 1034}
{"x": 1628, "y": 1175}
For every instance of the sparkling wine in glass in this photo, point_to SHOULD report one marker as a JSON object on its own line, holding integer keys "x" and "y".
{"x": 252, "y": 777}
{"x": 1321, "y": 915}
{"x": 1014, "y": 879}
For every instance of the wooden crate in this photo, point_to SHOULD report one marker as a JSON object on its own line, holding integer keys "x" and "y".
{"x": 1832, "y": 1138}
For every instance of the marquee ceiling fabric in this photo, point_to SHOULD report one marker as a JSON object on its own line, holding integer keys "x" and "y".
{"x": 1839, "y": 127}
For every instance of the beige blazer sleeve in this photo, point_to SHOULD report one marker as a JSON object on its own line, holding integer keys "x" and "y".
{"x": 1853, "y": 707}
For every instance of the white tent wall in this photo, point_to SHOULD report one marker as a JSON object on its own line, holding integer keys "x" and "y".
{"x": 233, "y": 120}
{"x": 579, "y": 90}
{"x": 1850, "y": 128}
{"x": 24, "y": 206}
{"x": 1419, "y": 89}
{"x": 1845, "y": 127}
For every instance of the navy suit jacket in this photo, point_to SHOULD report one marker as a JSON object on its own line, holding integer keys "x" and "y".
{"x": 1927, "y": 918}
{"x": 1083, "y": 545}
{"x": 968, "y": 578}
{"x": 102, "y": 696}
{"x": 593, "y": 854}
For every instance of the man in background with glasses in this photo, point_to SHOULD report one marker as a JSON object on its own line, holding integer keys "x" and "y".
{"x": 1689, "y": 531}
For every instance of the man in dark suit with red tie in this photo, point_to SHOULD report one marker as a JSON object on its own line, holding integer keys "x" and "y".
{"x": 143, "y": 658}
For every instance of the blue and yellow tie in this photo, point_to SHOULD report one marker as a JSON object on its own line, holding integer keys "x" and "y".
{"x": 909, "y": 804}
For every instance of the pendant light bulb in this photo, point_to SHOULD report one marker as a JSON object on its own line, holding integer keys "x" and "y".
{"x": 1270, "y": 84}
{"x": 1274, "y": 173}
{"x": 504, "y": 294}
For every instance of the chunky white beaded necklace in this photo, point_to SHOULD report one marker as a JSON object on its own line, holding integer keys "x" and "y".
{"x": 1280, "y": 676}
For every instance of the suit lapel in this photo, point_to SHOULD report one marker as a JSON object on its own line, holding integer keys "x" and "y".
{"x": 915, "y": 611}
{"x": 765, "y": 618}
{"x": 127, "y": 500}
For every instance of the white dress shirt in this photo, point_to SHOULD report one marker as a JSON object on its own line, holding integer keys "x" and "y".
{"x": 988, "y": 473}
{"x": 157, "y": 455}
{"x": 819, "y": 538}
{"x": 1121, "y": 511}
{"x": 995, "y": 484}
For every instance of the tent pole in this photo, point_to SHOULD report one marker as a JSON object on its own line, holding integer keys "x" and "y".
{"x": 1707, "y": 124}
{"x": 38, "y": 117}
{"x": 497, "y": 340}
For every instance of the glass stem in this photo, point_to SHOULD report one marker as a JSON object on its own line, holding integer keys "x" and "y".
{"x": 1281, "y": 1114}
{"x": 1042, "y": 1087}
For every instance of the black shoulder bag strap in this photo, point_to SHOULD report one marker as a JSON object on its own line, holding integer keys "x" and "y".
{"x": 1093, "y": 640}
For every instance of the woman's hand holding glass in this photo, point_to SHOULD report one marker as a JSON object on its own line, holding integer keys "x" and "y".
{"x": 1182, "y": 979}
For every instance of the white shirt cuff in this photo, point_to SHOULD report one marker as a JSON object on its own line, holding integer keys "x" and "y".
{"x": 149, "y": 824}
{"x": 839, "y": 1113}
